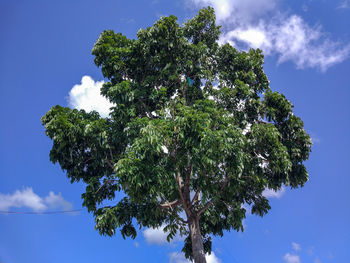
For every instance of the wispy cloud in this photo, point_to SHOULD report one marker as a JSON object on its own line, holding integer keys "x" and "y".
{"x": 177, "y": 257}
{"x": 310, "y": 250}
{"x": 296, "y": 246}
{"x": 290, "y": 258}
{"x": 304, "y": 7}
{"x": 56, "y": 201}
{"x": 86, "y": 96}
{"x": 315, "y": 139}
{"x": 269, "y": 193}
{"x": 27, "y": 198}
{"x": 344, "y": 4}
{"x": 260, "y": 24}
{"x": 291, "y": 39}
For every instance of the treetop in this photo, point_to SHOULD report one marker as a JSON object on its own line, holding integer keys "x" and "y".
{"x": 195, "y": 129}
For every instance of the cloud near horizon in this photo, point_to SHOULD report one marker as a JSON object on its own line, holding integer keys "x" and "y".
{"x": 27, "y": 198}
{"x": 260, "y": 24}
{"x": 158, "y": 236}
{"x": 177, "y": 257}
{"x": 290, "y": 258}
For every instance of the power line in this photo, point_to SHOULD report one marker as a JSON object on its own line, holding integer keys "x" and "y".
{"x": 39, "y": 213}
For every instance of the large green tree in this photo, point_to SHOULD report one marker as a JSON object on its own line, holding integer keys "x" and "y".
{"x": 195, "y": 134}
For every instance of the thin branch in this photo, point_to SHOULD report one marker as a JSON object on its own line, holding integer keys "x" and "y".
{"x": 100, "y": 188}
{"x": 183, "y": 90}
{"x": 188, "y": 175}
{"x": 109, "y": 164}
{"x": 181, "y": 219}
{"x": 110, "y": 152}
{"x": 104, "y": 184}
{"x": 187, "y": 184}
{"x": 149, "y": 115}
{"x": 211, "y": 202}
{"x": 180, "y": 189}
{"x": 170, "y": 205}
{"x": 229, "y": 208}
{"x": 264, "y": 122}
{"x": 109, "y": 180}
{"x": 195, "y": 198}
{"x": 88, "y": 159}
{"x": 177, "y": 178}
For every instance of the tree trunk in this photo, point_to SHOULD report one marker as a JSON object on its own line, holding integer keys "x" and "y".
{"x": 197, "y": 242}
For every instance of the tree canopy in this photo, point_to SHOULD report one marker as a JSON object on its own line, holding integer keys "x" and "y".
{"x": 194, "y": 134}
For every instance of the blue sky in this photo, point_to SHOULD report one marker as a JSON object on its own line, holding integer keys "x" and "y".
{"x": 45, "y": 54}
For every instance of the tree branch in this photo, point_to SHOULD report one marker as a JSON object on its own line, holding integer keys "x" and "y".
{"x": 179, "y": 188}
{"x": 88, "y": 159}
{"x": 183, "y": 90}
{"x": 188, "y": 174}
{"x": 104, "y": 184}
{"x": 229, "y": 208}
{"x": 195, "y": 198}
{"x": 181, "y": 219}
{"x": 187, "y": 185}
{"x": 170, "y": 205}
{"x": 149, "y": 115}
{"x": 109, "y": 164}
{"x": 211, "y": 202}
{"x": 264, "y": 122}
{"x": 110, "y": 152}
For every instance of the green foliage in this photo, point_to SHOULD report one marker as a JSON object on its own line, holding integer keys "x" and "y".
{"x": 190, "y": 116}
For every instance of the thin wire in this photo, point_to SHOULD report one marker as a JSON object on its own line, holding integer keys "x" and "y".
{"x": 40, "y": 213}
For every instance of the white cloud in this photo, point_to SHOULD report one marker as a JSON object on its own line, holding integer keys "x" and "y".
{"x": 296, "y": 246}
{"x": 87, "y": 96}
{"x": 317, "y": 260}
{"x": 254, "y": 37}
{"x": 291, "y": 39}
{"x": 54, "y": 201}
{"x": 27, "y": 198}
{"x": 155, "y": 235}
{"x": 259, "y": 24}
{"x": 158, "y": 236}
{"x": 212, "y": 258}
{"x": 237, "y": 11}
{"x": 177, "y": 257}
{"x": 269, "y": 193}
{"x": 289, "y": 258}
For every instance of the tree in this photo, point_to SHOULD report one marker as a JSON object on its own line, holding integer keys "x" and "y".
{"x": 195, "y": 134}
